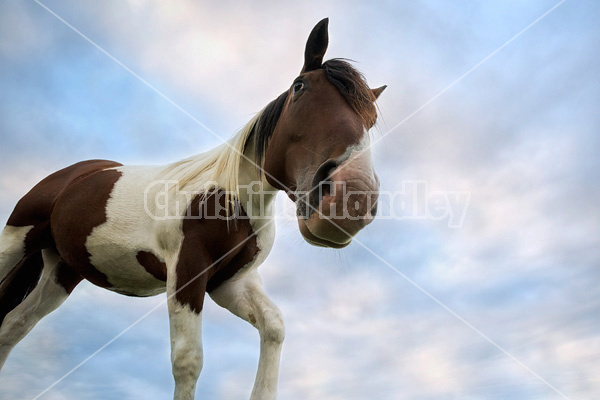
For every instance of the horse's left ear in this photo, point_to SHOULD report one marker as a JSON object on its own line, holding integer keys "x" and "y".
{"x": 378, "y": 91}
{"x": 316, "y": 45}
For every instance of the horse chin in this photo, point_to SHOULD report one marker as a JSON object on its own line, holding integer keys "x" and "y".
{"x": 338, "y": 240}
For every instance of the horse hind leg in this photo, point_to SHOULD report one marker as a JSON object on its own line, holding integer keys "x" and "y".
{"x": 20, "y": 269}
{"x": 32, "y": 297}
{"x": 19, "y": 283}
{"x": 12, "y": 247}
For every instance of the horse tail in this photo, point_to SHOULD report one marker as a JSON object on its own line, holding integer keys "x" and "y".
{"x": 19, "y": 282}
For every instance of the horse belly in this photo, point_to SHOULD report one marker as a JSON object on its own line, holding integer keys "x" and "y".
{"x": 125, "y": 248}
{"x": 130, "y": 268}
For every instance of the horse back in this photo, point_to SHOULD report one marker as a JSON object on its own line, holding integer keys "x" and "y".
{"x": 36, "y": 207}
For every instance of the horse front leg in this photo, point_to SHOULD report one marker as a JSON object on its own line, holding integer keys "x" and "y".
{"x": 247, "y": 299}
{"x": 185, "y": 293}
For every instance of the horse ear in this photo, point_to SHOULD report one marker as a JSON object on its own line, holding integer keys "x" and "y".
{"x": 316, "y": 45}
{"x": 378, "y": 91}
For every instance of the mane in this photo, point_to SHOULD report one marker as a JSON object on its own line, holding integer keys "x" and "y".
{"x": 352, "y": 84}
{"x": 221, "y": 164}
{"x": 265, "y": 125}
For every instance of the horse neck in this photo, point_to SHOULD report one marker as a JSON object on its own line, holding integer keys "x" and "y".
{"x": 256, "y": 195}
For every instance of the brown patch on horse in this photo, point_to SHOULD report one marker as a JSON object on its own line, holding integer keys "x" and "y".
{"x": 229, "y": 245}
{"x": 81, "y": 207}
{"x": 67, "y": 277}
{"x": 225, "y": 271}
{"x": 35, "y": 208}
{"x": 152, "y": 264}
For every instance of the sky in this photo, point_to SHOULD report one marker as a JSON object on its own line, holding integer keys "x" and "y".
{"x": 502, "y": 304}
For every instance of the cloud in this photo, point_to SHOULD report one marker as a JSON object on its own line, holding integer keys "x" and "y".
{"x": 519, "y": 133}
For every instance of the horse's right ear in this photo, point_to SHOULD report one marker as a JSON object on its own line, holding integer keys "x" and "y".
{"x": 376, "y": 92}
{"x": 316, "y": 45}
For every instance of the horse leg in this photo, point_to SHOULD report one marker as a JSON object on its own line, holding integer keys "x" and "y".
{"x": 247, "y": 299}
{"x": 12, "y": 247}
{"x": 44, "y": 296}
{"x": 185, "y": 294}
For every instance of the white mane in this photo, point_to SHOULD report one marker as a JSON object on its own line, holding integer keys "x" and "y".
{"x": 220, "y": 165}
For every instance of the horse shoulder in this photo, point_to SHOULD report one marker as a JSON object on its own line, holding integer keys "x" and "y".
{"x": 217, "y": 245}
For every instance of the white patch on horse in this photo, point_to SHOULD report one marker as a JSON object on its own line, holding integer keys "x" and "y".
{"x": 186, "y": 348}
{"x": 114, "y": 245}
{"x": 12, "y": 247}
{"x": 186, "y": 336}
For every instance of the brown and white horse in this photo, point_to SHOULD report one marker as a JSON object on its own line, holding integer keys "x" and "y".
{"x": 118, "y": 227}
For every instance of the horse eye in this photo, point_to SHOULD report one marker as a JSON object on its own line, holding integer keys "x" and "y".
{"x": 298, "y": 86}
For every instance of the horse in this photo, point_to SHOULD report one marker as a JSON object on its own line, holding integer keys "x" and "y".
{"x": 122, "y": 228}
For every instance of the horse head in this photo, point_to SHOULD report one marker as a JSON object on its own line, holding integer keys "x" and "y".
{"x": 318, "y": 148}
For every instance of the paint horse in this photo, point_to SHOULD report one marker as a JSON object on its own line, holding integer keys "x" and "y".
{"x": 114, "y": 226}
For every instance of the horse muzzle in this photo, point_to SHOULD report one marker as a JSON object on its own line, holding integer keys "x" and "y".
{"x": 342, "y": 202}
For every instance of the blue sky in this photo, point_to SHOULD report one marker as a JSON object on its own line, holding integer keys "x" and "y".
{"x": 520, "y": 133}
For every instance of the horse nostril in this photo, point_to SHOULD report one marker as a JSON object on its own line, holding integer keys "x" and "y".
{"x": 374, "y": 209}
{"x": 321, "y": 184}
{"x": 324, "y": 172}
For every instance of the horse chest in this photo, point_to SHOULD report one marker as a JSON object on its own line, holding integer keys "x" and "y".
{"x": 220, "y": 250}
{"x": 253, "y": 251}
